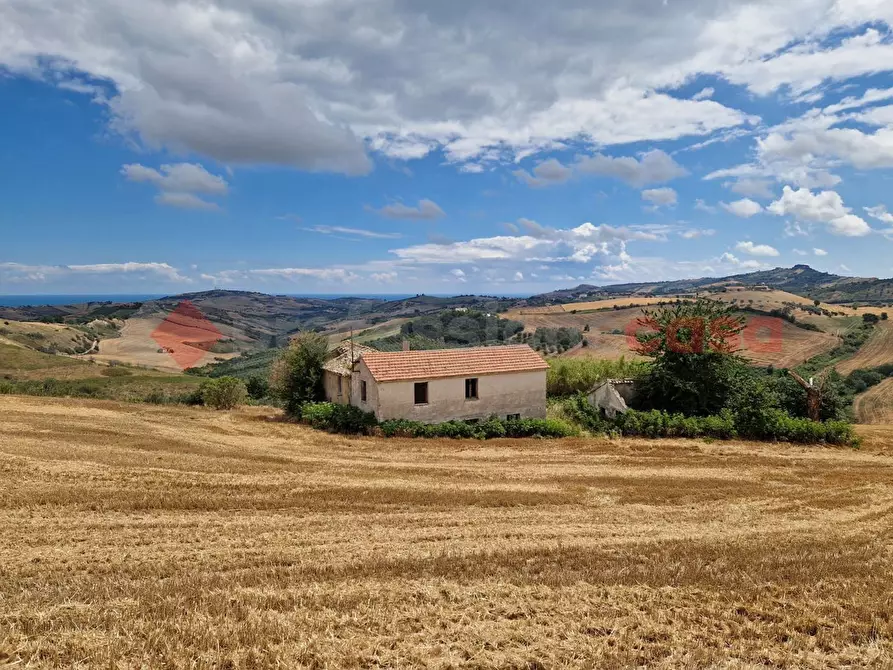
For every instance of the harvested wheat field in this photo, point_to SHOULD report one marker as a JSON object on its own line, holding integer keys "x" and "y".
{"x": 877, "y": 351}
{"x": 875, "y": 406}
{"x": 165, "y": 537}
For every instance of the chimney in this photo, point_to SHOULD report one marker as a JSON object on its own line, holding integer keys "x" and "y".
{"x": 405, "y": 344}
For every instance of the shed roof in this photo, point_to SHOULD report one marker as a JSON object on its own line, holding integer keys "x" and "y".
{"x": 395, "y": 366}
{"x": 344, "y": 356}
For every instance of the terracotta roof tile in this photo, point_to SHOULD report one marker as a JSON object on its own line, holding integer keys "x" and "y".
{"x": 408, "y": 365}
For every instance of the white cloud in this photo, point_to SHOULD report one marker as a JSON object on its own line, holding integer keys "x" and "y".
{"x": 704, "y": 207}
{"x": 20, "y": 273}
{"x": 178, "y": 183}
{"x": 807, "y": 66}
{"x": 703, "y": 94}
{"x": 820, "y": 252}
{"x": 745, "y": 208}
{"x": 179, "y": 178}
{"x": 695, "y": 233}
{"x": 756, "y": 249}
{"x": 547, "y": 173}
{"x": 358, "y": 232}
{"x": 185, "y": 201}
{"x": 323, "y": 274}
{"x": 654, "y": 167}
{"x": 826, "y": 207}
{"x": 880, "y": 213}
{"x": 384, "y": 277}
{"x": 800, "y": 252}
{"x": 845, "y": 268}
{"x": 426, "y": 210}
{"x": 519, "y": 276}
{"x": 753, "y": 187}
{"x": 660, "y": 196}
{"x": 459, "y": 275}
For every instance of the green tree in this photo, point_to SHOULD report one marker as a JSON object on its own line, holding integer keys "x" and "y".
{"x": 224, "y": 393}
{"x": 297, "y": 375}
{"x": 695, "y": 366}
{"x": 816, "y": 302}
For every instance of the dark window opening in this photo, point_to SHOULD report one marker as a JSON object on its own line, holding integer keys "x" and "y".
{"x": 472, "y": 422}
{"x": 363, "y": 391}
{"x": 340, "y": 379}
{"x": 513, "y": 417}
{"x": 471, "y": 389}
{"x": 421, "y": 393}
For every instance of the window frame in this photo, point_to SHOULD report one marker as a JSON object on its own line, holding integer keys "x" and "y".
{"x": 415, "y": 389}
{"x": 513, "y": 417}
{"x": 363, "y": 394}
{"x": 472, "y": 382}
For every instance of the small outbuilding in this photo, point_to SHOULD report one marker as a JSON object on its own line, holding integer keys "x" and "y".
{"x": 337, "y": 371}
{"x": 612, "y": 395}
{"x": 447, "y": 384}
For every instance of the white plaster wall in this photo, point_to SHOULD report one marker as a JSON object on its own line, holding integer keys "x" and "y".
{"x": 521, "y": 393}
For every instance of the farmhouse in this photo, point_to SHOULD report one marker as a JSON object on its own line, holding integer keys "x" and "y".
{"x": 337, "y": 371}
{"x": 447, "y": 384}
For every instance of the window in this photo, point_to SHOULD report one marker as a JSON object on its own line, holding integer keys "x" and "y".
{"x": 339, "y": 384}
{"x": 471, "y": 389}
{"x": 472, "y": 422}
{"x": 513, "y": 417}
{"x": 421, "y": 393}
{"x": 363, "y": 391}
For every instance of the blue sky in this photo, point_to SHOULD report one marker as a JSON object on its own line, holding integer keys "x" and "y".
{"x": 375, "y": 147}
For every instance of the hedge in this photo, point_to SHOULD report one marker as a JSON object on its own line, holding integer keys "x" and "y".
{"x": 352, "y": 420}
{"x": 760, "y": 423}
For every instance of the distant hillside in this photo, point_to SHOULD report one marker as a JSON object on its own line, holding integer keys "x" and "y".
{"x": 800, "y": 279}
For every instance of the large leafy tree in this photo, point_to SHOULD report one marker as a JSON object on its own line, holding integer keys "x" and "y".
{"x": 693, "y": 345}
{"x": 297, "y": 376}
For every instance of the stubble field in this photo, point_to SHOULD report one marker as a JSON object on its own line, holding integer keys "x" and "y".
{"x": 167, "y": 537}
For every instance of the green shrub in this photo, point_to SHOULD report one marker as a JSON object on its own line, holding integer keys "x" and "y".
{"x": 568, "y": 376}
{"x": 115, "y": 372}
{"x": 224, "y": 393}
{"x": 337, "y": 418}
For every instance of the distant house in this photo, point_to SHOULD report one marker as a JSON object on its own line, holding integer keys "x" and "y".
{"x": 447, "y": 384}
{"x": 337, "y": 371}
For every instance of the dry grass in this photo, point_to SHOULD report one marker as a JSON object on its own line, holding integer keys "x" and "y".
{"x": 35, "y": 335}
{"x": 144, "y": 537}
{"x": 875, "y": 406}
{"x": 135, "y": 346}
{"x": 19, "y": 362}
{"x": 877, "y": 351}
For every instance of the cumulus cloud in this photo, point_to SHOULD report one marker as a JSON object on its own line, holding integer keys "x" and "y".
{"x": 820, "y": 252}
{"x": 695, "y": 233}
{"x": 179, "y": 177}
{"x": 178, "y": 184}
{"x": 317, "y": 85}
{"x": 825, "y": 207}
{"x": 654, "y": 167}
{"x": 519, "y": 276}
{"x": 426, "y": 210}
{"x": 756, "y": 249}
{"x": 660, "y": 196}
{"x": 745, "y": 208}
{"x": 704, "y": 207}
{"x": 547, "y": 173}
{"x": 753, "y": 187}
{"x": 880, "y": 213}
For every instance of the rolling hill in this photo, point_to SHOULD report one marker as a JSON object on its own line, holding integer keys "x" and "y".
{"x": 800, "y": 279}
